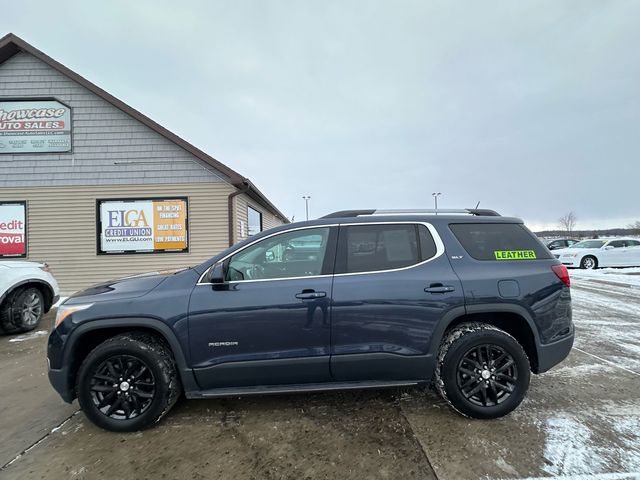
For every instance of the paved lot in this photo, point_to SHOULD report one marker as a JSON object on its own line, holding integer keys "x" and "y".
{"x": 581, "y": 420}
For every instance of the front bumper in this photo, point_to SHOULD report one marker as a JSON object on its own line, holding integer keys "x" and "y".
{"x": 553, "y": 353}
{"x": 59, "y": 379}
{"x": 570, "y": 261}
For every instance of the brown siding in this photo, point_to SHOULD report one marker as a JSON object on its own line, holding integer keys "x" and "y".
{"x": 241, "y": 202}
{"x": 61, "y": 224}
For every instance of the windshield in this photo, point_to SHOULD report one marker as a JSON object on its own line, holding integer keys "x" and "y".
{"x": 589, "y": 244}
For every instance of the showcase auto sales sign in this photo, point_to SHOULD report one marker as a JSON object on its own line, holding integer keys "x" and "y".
{"x": 34, "y": 126}
{"x": 12, "y": 230}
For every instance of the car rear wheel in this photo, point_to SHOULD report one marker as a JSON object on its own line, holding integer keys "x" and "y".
{"x": 128, "y": 382}
{"x": 589, "y": 263}
{"x": 482, "y": 371}
{"x": 22, "y": 310}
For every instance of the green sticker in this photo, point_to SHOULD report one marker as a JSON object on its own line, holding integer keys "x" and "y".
{"x": 514, "y": 254}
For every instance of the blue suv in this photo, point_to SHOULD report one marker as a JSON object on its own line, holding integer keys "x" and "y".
{"x": 467, "y": 300}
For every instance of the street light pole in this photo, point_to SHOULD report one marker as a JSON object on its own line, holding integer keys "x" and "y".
{"x": 435, "y": 199}
{"x": 306, "y": 204}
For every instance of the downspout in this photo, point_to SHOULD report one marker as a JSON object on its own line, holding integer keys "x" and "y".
{"x": 246, "y": 186}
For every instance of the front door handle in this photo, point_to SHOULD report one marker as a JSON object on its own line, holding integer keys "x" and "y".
{"x": 310, "y": 295}
{"x": 439, "y": 288}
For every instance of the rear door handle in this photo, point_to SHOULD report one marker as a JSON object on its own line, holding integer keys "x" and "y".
{"x": 310, "y": 295}
{"x": 439, "y": 288}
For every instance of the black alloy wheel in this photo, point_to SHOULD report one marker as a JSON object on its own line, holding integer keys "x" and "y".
{"x": 482, "y": 371}
{"x": 128, "y": 382}
{"x": 122, "y": 387}
{"x": 487, "y": 375}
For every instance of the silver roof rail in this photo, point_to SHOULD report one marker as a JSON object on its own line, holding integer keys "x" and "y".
{"x": 481, "y": 212}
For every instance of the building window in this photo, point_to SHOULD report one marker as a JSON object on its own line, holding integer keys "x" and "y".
{"x": 254, "y": 219}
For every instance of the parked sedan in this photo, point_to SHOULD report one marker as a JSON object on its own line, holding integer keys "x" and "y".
{"x": 590, "y": 254}
{"x": 559, "y": 243}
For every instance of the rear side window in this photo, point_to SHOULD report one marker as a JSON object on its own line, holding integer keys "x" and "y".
{"x": 499, "y": 241}
{"x": 370, "y": 248}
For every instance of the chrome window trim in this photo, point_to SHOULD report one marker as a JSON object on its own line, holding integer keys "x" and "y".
{"x": 434, "y": 233}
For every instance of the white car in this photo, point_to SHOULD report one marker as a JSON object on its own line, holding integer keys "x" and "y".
{"x": 590, "y": 254}
{"x": 27, "y": 292}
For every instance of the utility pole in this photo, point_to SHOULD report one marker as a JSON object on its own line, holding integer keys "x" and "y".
{"x": 435, "y": 199}
{"x": 306, "y": 204}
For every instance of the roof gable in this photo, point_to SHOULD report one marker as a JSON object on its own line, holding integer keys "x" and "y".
{"x": 11, "y": 44}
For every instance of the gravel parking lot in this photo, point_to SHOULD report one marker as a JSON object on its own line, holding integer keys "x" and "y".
{"x": 580, "y": 420}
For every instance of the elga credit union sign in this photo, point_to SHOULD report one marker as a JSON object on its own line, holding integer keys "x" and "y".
{"x": 34, "y": 126}
{"x": 13, "y": 229}
{"x": 143, "y": 226}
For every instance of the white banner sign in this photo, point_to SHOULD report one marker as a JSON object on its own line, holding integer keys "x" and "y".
{"x": 143, "y": 226}
{"x": 29, "y": 126}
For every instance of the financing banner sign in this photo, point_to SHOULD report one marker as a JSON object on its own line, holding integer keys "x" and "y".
{"x": 34, "y": 126}
{"x": 143, "y": 226}
{"x": 13, "y": 229}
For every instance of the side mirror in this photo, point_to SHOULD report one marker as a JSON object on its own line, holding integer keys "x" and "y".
{"x": 552, "y": 247}
{"x": 217, "y": 274}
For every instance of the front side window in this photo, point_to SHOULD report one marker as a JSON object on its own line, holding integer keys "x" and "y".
{"x": 300, "y": 253}
{"x": 254, "y": 219}
{"x": 589, "y": 244}
{"x": 371, "y": 248}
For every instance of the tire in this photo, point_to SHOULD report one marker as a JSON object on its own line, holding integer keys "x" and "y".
{"x": 22, "y": 310}
{"x": 128, "y": 382}
{"x": 492, "y": 394}
{"x": 589, "y": 263}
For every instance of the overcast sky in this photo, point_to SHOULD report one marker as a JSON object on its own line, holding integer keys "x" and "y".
{"x": 530, "y": 107}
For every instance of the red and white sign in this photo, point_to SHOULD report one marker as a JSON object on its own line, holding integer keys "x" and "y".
{"x": 13, "y": 230}
{"x": 34, "y": 126}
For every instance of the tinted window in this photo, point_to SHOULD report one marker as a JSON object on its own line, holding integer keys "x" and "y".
{"x": 368, "y": 248}
{"x": 427, "y": 245}
{"x": 293, "y": 254}
{"x": 616, "y": 244}
{"x": 499, "y": 241}
{"x": 632, "y": 243}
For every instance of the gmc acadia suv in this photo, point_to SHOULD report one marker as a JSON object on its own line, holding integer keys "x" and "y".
{"x": 356, "y": 299}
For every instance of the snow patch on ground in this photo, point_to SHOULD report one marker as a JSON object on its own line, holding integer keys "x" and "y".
{"x": 627, "y": 276}
{"x": 572, "y": 447}
{"x": 29, "y": 336}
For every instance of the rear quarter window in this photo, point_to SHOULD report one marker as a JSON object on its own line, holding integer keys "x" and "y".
{"x": 499, "y": 241}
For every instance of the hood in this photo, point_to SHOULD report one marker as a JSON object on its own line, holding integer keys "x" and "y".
{"x": 123, "y": 288}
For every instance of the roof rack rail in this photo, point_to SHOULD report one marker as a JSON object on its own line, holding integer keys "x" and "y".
{"x": 480, "y": 212}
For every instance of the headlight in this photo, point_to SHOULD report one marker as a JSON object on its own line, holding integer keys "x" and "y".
{"x": 64, "y": 311}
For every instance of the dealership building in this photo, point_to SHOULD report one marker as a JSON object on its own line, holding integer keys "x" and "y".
{"x": 98, "y": 190}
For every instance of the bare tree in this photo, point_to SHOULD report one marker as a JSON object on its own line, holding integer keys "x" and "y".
{"x": 635, "y": 227}
{"x": 568, "y": 222}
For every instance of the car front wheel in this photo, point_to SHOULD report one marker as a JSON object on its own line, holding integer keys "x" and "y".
{"x": 482, "y": 371}
{"x": 22, "y": 310}
{"x": 128, "y": 383}
{"x": 589, "y": 263}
